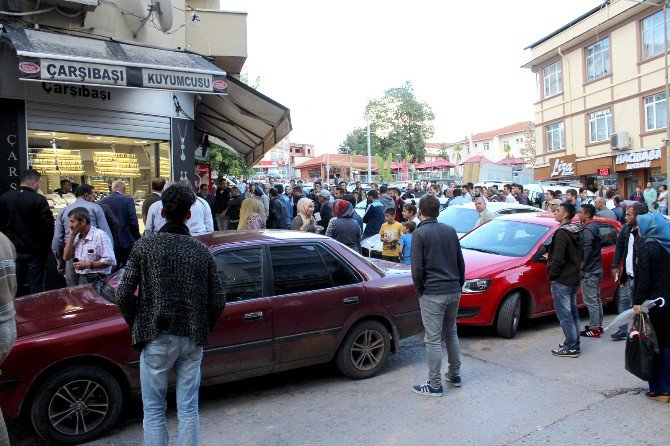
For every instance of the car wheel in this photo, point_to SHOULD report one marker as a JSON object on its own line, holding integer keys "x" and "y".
{"x": 76, "y": 404}
{"x": 509, "y": 316}
{"x": 364, "y": 350}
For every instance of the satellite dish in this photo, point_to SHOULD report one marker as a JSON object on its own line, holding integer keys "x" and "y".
{"x": 163, "y": 11}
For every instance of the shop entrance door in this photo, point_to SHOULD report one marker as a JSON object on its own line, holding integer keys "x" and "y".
{"x": 631, "y": 184}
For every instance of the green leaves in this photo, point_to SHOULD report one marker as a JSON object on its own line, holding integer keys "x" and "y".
{"x": 399, "y": 124}
{"x": 228, "y": 163}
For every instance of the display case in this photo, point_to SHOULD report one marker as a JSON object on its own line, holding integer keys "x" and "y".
{"x": 56, "y": 161}
{"x": 118, "y": 165}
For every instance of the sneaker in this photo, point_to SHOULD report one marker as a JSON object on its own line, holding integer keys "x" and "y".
{"x": 455, "y": 380}
{"x": 428, "y": 390}
{"x": 576, "y": 348}
{"x": 566, "y": 352}
{"x": 591, "y": 333}
{"x": 619, "y": 335}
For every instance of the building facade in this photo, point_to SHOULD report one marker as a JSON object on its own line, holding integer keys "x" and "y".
{"x": 601, "y": 112}
{"x": 92, "y": 92}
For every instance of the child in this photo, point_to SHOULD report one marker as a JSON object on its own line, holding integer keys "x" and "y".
{"x": 390, "y": 233}
{"x": 405, "y": 241}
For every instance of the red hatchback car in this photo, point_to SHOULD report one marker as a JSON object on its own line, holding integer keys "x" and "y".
{"x": 294, "y": 299}
{"x": 506, "y": 270}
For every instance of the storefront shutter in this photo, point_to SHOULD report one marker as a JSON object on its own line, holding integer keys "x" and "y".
{"x": 84, "y": 120}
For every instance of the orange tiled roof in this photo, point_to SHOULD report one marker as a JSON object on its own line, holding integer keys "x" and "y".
{"x": 514, "y": 128}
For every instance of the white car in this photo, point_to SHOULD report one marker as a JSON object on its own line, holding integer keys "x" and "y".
{"x": 462, "y": 217}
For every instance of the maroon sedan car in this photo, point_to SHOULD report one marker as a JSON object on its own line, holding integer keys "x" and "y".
{"x": 294, "y": 299}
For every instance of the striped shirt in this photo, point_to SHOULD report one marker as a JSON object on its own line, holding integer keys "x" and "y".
{"x": 95, "y": 247}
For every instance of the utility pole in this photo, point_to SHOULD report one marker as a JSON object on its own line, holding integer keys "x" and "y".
{"x": 667, "y": 94}
{"x": 367, "y": 121}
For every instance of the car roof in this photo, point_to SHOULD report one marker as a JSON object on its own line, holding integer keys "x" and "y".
{"x": 547, "y": 219}
{"x": 219, "y": 238}
{"x": 495, "y": 206}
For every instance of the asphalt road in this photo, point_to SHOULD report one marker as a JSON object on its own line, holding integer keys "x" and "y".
{"x": 514, "y": 393}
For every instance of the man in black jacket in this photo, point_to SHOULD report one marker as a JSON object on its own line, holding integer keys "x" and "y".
{"x": 628, "y": 244}
{"x": 591, "y": 271}
{"x": 438, "y": 273}
{"x": 563, "y": 262}
{"x": 179, "y": 304}
{"x": 25, "y": 218}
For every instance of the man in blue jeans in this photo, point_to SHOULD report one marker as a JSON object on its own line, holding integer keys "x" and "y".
{"x": 563, "y": 262}
{"x": 179, "y": 304}
{"x": 438, "y": 273}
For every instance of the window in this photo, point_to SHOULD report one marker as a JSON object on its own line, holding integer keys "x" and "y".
{"x": 654, "y": 111}
{"x": 240, "y": 273}
{"x": 555, "y": 137}
{"x": 600, "y": 125}
{"x": 298, "y": 269}
{"x": 608, "y": 235}
{"x": 553, "y": 79}
{"x": 339, "y": 271}
{"x": 598, "y": 59}
{"x": 653, "y": 35}
{"x": 486, "y": 146}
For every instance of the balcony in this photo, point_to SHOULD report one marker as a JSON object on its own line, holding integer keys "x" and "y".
{"x": 219, "y": 34}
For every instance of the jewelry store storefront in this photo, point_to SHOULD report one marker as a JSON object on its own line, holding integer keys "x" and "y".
{"x": 94, "y": 111}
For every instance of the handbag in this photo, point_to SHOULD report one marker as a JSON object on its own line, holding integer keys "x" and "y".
{"x": 641, "y": 348}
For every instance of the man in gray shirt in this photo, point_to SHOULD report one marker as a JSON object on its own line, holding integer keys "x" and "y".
{"x": 85, "y": 197}
{"x": 602, "y": 210}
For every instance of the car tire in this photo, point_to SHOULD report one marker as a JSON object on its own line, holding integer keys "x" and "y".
{"x": 509, "y": 316}
{"x": 76, "y": 404}
{"x": 364, "y": 350}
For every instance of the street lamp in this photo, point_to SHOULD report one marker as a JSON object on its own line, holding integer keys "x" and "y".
{"x": 398, "y": 177}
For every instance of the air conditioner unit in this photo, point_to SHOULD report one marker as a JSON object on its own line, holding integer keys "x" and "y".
{"x": 620, "y": 141}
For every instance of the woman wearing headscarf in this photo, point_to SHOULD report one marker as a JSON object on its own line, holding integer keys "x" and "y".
{"x": 343, "y": 227}
{"x": 652, "y": 281}
{"x": 304, "y": 221}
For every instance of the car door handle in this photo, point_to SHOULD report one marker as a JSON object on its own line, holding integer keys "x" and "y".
{"x": 350, "y": 300}
{"x": 253, "y": 316}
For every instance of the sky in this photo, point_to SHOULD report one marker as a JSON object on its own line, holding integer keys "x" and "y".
{"x": 326, "y": 60}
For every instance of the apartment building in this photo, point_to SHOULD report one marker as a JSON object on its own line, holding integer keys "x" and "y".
{"x": 601, "y": 113}
{"x": 283, "y": 158}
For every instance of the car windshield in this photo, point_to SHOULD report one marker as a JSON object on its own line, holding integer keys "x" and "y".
{"x": 504, "y": 237}
{"x": 460, "y": 218}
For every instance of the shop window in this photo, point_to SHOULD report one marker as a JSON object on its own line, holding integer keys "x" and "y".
{"x": 555, "y": 136}
{"x": 653, "y": 34}
{"x": 598, "y": 59}
{"x": 654, "y": 112}
{"x": 553, "y": 79}
{"x": 600, "y": 125}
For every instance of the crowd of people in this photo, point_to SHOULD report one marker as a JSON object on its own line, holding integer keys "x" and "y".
{"x": 176, "y": 315}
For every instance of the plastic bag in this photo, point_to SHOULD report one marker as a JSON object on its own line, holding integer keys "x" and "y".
{"x": 627, "y": 316}
{"x": 641, "y": 346}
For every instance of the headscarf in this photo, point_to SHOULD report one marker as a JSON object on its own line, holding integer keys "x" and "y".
{"x": 655, "y": 227}
{"x": 302, "y": 206}
{"x": 343, "y": 209}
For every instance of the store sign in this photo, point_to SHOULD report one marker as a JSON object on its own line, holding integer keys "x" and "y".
{"x": 76, "y": 91}
{"x": 604, "y": 172}
{"x": 562, "y": 168}
{"x": 72, "y": 72}
{"x": 638, "y": 160}
{"x": 12, "y": 142}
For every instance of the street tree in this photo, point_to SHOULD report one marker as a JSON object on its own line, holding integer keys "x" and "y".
{"x": 356, "y": 140}
{"x": 507, "y": 149}
{"x": 228, "y": 163}
{"x": 444, "y": 153}
{"x": 457, "y": 153}
{"x": 399, "y": 122}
